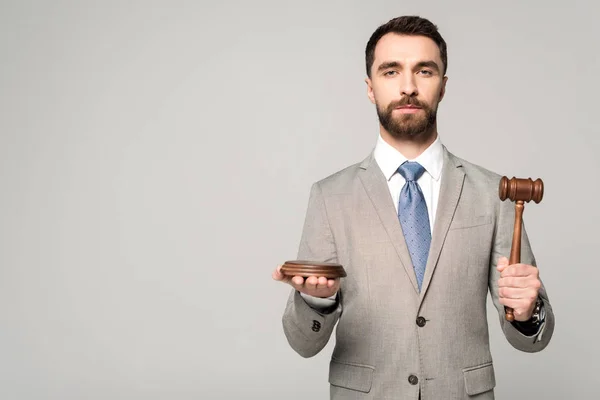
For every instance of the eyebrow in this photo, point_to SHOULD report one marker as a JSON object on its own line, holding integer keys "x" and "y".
{"x": 422, "y": 64}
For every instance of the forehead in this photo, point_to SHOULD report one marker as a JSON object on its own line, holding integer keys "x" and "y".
{"x": 406, "y": 49}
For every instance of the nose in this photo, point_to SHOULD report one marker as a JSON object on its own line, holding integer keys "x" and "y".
{"x": 407, "y": 86}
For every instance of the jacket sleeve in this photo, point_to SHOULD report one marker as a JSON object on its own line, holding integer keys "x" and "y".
{"x": 307, "y": 329}
{"x": 502, "y": 246}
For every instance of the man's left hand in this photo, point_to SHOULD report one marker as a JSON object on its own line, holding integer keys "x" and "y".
{"x": 518, "y": 288}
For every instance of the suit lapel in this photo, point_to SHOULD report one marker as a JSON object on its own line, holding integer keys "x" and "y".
{"x": 377, "y": 189}
{"x": 452, "y": 183}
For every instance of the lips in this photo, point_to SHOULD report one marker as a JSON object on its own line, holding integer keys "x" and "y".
{"x": 408, "y": 107}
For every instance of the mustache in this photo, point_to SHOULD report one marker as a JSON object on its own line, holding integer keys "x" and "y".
{"x": 406, "y": 101}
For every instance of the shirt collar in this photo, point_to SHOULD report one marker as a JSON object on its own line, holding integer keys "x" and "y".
{"x": 389, "y": 159}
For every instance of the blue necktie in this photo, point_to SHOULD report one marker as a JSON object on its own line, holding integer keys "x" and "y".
{"x": 413, "y": 216}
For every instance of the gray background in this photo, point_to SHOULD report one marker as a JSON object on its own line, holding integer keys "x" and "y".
{"x": 155, "y": 163}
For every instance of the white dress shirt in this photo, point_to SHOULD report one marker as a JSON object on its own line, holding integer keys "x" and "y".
{"x": 432, "y": 159}
{"x": 389, "y": 159}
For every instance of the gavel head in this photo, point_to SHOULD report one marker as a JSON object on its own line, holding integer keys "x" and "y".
{"x": 517, "y": 189}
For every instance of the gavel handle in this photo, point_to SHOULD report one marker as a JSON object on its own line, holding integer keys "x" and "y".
{"x": 515, "y": 251}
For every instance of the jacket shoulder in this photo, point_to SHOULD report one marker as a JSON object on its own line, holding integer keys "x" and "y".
{"x": 478, "y": 173}
{"x": 341, "y": 181}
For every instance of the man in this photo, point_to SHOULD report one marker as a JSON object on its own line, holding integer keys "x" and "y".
{"x": 423, "y": 236}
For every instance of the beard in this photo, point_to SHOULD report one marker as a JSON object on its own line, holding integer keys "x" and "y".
{"x": 407, "y": 126}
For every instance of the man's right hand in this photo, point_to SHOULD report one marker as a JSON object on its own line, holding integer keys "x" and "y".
{"x": 312, "y": 286}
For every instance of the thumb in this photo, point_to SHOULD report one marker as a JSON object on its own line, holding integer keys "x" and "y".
{"x": 502, "y": 263}
{"x": 279, "y": 276}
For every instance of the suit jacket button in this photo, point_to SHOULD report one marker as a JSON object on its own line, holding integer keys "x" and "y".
{"x": 316, "y": 326}
{"x": 413, "y": 380}
{"x": 421, "y": 322}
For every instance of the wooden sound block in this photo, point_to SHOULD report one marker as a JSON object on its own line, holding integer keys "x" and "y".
{"x": 313, "y": 268}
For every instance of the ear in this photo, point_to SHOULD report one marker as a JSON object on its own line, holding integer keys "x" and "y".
{"x": 443, "y": 90}
{"x": 370, "y": 90}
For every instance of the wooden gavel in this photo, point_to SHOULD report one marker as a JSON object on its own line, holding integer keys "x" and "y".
{"x": 519, "y": 191}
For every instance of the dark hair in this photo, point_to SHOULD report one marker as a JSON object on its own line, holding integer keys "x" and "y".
{"x": 406, "y": 25}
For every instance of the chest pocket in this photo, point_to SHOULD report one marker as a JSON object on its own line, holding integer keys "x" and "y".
{"x": 470, "y": 222}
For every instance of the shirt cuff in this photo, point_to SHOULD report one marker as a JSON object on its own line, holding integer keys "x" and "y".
{"x": 319, "y": 303}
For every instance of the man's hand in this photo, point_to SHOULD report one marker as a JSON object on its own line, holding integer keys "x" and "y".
{"x": 312, "y": 286}
{"x": 519, "y": 285}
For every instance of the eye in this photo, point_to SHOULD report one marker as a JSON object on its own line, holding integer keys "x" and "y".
{"x": 390, "y": 73}
{"x": 426, "y": 72}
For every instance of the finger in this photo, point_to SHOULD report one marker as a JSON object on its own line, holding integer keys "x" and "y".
{"x": 297, "y": 281}
{"x": 514, "y": 293}
{"x": 321, "y": 282}
{"x": 515, "y": 282}
{"x": 520, "y": 312}
{"x": 332, "y": 282}
{"x": 502, "y": 263}
{"x": 311, "y": 282}
{"x": 519, "y": 270}
{"x": 521, "y": 315}
{"x": 518, "y": 305}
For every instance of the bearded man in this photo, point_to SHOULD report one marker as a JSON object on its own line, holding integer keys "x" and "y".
{"x": 423, "y": 237}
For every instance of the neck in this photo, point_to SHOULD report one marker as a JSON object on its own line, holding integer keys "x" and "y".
{"x": 411, "y": 147}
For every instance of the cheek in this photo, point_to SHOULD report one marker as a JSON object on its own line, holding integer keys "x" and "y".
{"x": 432, "y": 98}
{"x": 439, "y": 93}
{"x": 434, "y": 92}
{"x": 383, "y": 94}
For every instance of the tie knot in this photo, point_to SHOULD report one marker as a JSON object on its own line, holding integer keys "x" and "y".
{"x": 411, "y": 170}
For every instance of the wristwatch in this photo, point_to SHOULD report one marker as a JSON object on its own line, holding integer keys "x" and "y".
{"x": 539, "y": 314}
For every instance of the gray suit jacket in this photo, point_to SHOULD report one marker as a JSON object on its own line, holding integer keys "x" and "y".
{"x": 381, "y": 352}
